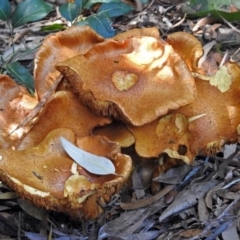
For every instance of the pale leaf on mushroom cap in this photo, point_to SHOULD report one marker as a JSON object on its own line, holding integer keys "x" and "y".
{"x": 58, "y": 47}
{"x": 110, "y": 150}
{"x": 63, "y": 110}
{"x": 91, "y": 162}
{"x": 15, "y": 104}
{"x": 109, "y": 184}
{"x": 136, "y": 80}
{"x": 44, "y": 174}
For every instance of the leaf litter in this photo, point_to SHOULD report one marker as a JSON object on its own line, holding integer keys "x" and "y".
{"x": 212, "y": 192}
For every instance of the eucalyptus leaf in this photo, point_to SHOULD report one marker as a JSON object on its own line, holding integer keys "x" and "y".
{"x": 8, "y": 195}
{"x": 114, "y": 9}
{"x": 22, "y": 75}
{"x": 69, "y": 11}
{"x": 32, "y": 210}
{"x": 90, "y": 3}
{"x": 92, "y": 163}
{"x": 29, "y": 11}
{"x": 101, "y": 23}
{"x": 5, "y": 10}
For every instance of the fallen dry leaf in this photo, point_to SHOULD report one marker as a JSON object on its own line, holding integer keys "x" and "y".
{"x": 203, "y": 212}
{"x": 174, "y": 175}
{"x": 146, "y": 201}
{"x": 187, "y": 198}
{"x": 230, "y": 233}
{"x": 117, "y": 226}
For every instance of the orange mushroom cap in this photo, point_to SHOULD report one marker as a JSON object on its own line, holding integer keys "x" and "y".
{"x": 188, "y": 47}
{"x": 58, "y": 47}
{"x": 15, "y": 104}
{"x": 213, "y": 129}
{"x": 116, "y": 132}
{"x": 232, "y": 95}
{"x": 45, "y": 174}
{"x": 138, "y": 32}
{"x": 136, "y": 80}
{"x": 169, "y": 134}
{"x": 63, "y": 110}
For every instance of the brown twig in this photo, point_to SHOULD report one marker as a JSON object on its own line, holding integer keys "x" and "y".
{"x": 146, "y": 201}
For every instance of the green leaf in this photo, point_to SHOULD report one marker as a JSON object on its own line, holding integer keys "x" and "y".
{"x": 213, "y": 8}
{"x": 5, "y": 10}
{"x": 231, "y": 17}
{"x": 22, "y": 75}
{"x": 29, "y": 11}
{"x": 70, "y": 11}
{"x": 210, "y": 4}
{"x": 101, "y": 23}
{"x": 53, "y": 27}
{"x": 90, "y": 3}
{"x": 80, "y": 3}
{"x": 114, "y": 9}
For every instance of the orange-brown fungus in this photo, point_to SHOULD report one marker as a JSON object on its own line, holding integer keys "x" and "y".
{"x": 116, "y": 132}
{"x": 233, "y": 94}
{"x": 58, "y": 47}
{"x": 188, "y": 47}
{"x": 213, "y": 129}
{"x": 135, "y": 80}
{"x": 15, "y": 104}
{"x": 136, "y": 32}
{"x": 63, "y": 110}
{"x": 169, "y": 134}
{"x": 51, "y": 179}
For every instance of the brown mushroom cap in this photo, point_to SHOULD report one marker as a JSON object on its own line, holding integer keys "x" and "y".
{"x": 137, "y": 32}
{"x": 136, "y": 80}
{"x": 211, "y": 121}
{"x": 234, "y": 115}
{"x": 45, "y": 167}
{"x": 116, "y": 132}
{"x": 213, "y": 129}
{"x": 63, "y": 110}
{"x": 58, "y": 47}
{"x": 232, "y": 95}
{"x": 15, "y": 104}
{"x": 45, "y": 174}
{"x": 169, "y": 134}
{"x": 188, "y": 47}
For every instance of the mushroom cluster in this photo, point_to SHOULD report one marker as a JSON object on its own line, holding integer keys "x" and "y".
{"x": 131, "y": 89}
